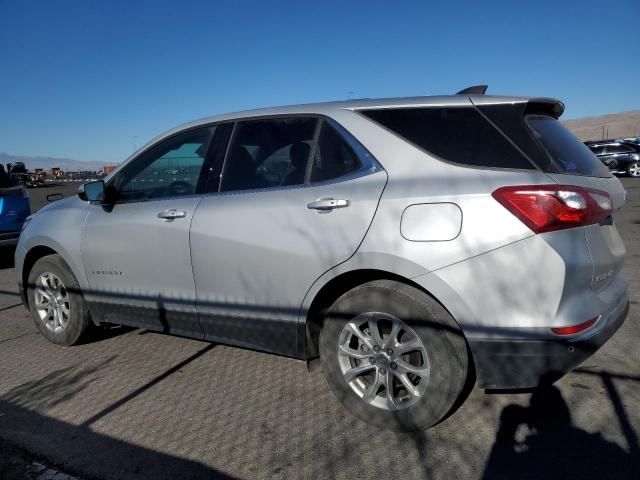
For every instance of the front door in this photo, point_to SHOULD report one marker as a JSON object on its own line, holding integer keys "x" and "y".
{"x": 136, "y": 251}
{"x": 295, "y": 200}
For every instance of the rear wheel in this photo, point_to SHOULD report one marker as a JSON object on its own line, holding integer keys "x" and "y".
{"x": 633, "y": 170}
{"x": 393, "y": 356}
{"x": 57, "y": 306}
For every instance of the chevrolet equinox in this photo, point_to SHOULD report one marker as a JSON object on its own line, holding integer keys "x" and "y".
{"x": 413, "y": 245}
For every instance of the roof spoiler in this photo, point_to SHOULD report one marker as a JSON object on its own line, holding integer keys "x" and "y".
{"x": 547, "y": 106}
{"x": 474, "y": 90}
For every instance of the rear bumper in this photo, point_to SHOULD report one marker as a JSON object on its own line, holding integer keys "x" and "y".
{"x": 9, "y": 238}
{"x": 517, "y": 364}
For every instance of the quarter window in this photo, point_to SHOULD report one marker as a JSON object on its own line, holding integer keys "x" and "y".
{"x": 170, "y": 169}
{"x": 269, "y": 153}
{"x": 456, "y": 134}
{"x": 333, "y": 157}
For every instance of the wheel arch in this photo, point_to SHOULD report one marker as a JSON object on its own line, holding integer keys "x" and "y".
{"x": 30, "y": 259}
{"x": 339, "y": 285}
{"x": 348, "y": 280}
{"x": 36, "y": 252}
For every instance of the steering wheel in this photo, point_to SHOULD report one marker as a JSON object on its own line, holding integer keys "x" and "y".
{"x": 180, "y": 187}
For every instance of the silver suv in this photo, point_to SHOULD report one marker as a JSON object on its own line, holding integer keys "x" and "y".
{"x": 413, "y": 245}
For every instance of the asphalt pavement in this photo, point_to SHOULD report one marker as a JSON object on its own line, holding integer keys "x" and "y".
{"x": 135, "y": 404}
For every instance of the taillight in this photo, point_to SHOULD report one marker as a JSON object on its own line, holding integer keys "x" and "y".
{"x": 545, "y": 208}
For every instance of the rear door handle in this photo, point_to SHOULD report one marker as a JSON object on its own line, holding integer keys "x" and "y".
{"x": 172, "y": 214}
{"x": 327, "y": 204}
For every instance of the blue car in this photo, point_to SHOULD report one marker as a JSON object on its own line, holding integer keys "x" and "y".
{"x": 14, "y": 209}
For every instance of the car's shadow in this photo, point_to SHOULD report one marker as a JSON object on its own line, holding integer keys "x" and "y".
{"x": 104, "y": 332}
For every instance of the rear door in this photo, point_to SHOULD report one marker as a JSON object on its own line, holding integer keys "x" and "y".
{"x": 624, "y": 154}
{"x": 608, "y": 157}
{"x": 296, "y": 198}
{"x": 599, "y": 151}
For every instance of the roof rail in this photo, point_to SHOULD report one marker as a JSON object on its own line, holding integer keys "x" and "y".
{"x": 475, "y": 90}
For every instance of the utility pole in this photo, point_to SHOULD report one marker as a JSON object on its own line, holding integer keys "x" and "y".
{"x": 602, "y": 132}
{"x": 134, "y": 142}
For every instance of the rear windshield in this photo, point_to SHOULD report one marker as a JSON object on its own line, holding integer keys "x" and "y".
{"x": 455, "y": 134}
{"x": 569, "y": 155}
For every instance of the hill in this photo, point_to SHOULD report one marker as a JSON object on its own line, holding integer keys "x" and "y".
{"x": 46, "y": 163}
{"x": 624, "y": 124}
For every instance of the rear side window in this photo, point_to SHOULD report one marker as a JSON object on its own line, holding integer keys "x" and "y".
{"x": 619, "y": 149}
{"x": 569, "y": 155}
{"x": 455, "y": 134}
{"x": 269, "y": 153}
{"x": 333, "y": 157}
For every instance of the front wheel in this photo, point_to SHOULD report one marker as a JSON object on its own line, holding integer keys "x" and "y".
{"x": 57, "y": 306}
{"x": 393, "y": 356}
{"x": 633, "y": 170}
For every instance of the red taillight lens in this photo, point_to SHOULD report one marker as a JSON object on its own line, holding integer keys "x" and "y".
{"x": 573, "y": 329}
{"x": 545, "y": 208}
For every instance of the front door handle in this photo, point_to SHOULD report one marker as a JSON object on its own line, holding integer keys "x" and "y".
{"x": 327, "y": 204}
{"x": 172, "y": 214}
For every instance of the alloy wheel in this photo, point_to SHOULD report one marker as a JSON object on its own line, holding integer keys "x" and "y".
{"x": 383, "y": 360}
{"x": 52, "y": 302}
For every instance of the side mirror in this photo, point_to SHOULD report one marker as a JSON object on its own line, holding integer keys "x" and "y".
{"x": 92, "y": 191}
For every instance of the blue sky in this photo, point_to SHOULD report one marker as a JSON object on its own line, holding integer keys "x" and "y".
{"x": 81, "y": 79}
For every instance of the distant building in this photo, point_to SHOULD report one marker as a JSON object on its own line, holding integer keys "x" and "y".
{"x": 107, "y": 169}
{"x": 56, "y": 172}
{"x": 38, "y": 175}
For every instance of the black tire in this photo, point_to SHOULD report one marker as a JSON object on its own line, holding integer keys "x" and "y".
{"x": 440, "y": 334}
{"x": 79, "y": 318}
{"x": 632, "y": 169}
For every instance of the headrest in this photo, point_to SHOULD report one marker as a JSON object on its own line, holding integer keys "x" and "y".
{"x": 299, "y": 154}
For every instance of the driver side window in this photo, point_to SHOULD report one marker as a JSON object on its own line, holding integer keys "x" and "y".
{"x": 170, "y": 169}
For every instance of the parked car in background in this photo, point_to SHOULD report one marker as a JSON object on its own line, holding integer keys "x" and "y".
{"x": 621, "y": 157}
{"x": 629, "y": 139}
{"x": 14, "y": 208}
{"x": 411, "y": 244}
